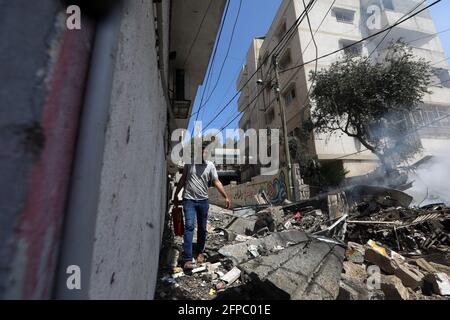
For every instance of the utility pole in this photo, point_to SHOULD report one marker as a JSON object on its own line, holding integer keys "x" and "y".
{"x": 285, "y": 134}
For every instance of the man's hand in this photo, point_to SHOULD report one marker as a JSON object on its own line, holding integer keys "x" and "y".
{"x": 221, "y": 190}
{"x": 227, "y": 203}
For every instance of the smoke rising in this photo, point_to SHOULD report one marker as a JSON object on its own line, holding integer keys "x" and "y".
{"x": 431, "y": 181}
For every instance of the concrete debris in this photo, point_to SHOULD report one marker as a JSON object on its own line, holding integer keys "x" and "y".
{"x": 239, "y": 252}
{"x": 424, "y": 265}
{"x": 355, "y": 271}
{"x": 199, "y": 269}
{"x": 242, "y": 238}
{"x": 213, "y": 267}
{"x": 243, "y": 226}
{"x": 439, "y": 283}
{"x": 440, "y": 267}
{"x": 349, "y": 289}
{"x": 308, "y": 270}
{"x": 231, "y": 276}
{"x": 355, "y": 252}
{"x": 393, "y": 288}
{"x": 253, "y": 249}
{"x": 410, "y": 276}
{"x": 375, "y": 257}
{"x": 357, "y": 243}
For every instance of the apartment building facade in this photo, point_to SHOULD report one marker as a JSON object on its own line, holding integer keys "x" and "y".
{"x": 337, "y": 24}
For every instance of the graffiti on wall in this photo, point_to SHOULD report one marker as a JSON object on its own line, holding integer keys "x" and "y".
{"x": 244, "y": 194}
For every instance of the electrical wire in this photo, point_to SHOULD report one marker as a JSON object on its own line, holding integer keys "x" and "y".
{"x": 224, "y": 61}
{"x": 299, "y": 20}
{"x": 362, "y": 40}
{"x": 331, "y": 53}
{"x": 389, "y": 31}
{"x": 212, "y": 60}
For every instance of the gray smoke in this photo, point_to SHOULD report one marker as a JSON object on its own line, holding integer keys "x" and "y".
{"x": 431, "y": 181}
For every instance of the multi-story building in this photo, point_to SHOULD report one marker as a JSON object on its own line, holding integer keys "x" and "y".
{"x": 344, "y": 22}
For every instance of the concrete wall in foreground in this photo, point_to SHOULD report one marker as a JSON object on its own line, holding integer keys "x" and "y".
{"x": 132, "y": 199}
{"x": 43, "y": 67}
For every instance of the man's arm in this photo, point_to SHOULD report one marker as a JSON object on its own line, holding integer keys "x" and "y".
{"x": 221, "y": 189}
{"x": 180, "y": 185}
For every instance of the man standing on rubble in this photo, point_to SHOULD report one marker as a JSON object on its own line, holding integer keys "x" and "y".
{"x": 196, "y": 180}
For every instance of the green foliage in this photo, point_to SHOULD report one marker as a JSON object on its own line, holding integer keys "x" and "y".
{"x": 370, "y": 101}
{"x": 314, "y": 173}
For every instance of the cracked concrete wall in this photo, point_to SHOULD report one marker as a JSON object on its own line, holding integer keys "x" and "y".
{"x": 132, "y": 199}
{"x": 42, "y": 70}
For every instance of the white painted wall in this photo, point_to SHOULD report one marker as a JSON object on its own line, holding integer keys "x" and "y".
{"x": 132, "y": 199}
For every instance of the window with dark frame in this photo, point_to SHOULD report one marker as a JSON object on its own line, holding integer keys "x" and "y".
{"x": 353, "y": 49}
{"x": 344, "y": 15}
{"x": 289, "y": 95}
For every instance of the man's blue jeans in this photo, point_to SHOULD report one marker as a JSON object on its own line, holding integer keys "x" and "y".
{"x": 194, "y": 209}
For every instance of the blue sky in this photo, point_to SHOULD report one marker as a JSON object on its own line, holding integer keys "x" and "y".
{"x": 254, "y": 20}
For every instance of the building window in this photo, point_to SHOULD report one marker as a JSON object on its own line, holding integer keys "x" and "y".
{"x": 289, "y": 96}
{"x": 343, "y": 15}
{"x": 431, "y": 116}
{"x": 351, "y": 48}
{"x": 285, "y": 60}
{"x": 441, "y": 77}
{"x": 388, "y": 4}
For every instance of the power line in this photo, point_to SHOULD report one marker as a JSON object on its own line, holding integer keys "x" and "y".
{"x": 205, "y": 87}
{"x": 317, "y": 54}
{"x": 224, "y": 61}
{"x": 323, "y": 19}
{"x": 321, "y": 22}
{"x": 362, "y": 40}
{"x": 307, "y": 8}
{"x": 341, "y": 49}
{"x": 428, "y": 35}
{"x": 293, "y": 75}
{"x": 440, "y": 61}
{"x": 299, "y": 20}
{"x": 389, "y": 31}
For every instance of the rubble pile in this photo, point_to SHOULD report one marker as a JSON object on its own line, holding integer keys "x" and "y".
{"x": 406, "y": 230}
{"x": 372, "y": 246}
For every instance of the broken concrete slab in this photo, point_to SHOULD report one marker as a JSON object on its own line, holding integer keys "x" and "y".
{"x": 199, "y": 269}
{"x": 244, "y": 226}
{"x": 349, "y": 289}
{"x": 424, "y": 265}
{"x": 231, "y": 276}
{"x": 410, "y": 276}
{"x": 393, "y": 288}
{"x": 308, "y": 270}
{"x": 355, "y": 271}
{"x": 385, "y": 263}
{"x": 213, "y": 267}
{"x": 440, "y": 267}
{"x": 438, "y": 283}
{"x": 238, "y": 252}
{"x": 253, "y": 249}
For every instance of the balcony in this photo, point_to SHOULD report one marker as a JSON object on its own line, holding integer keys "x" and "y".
{"x": 419, "y": 26}
{"x": 432, "y": 56}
